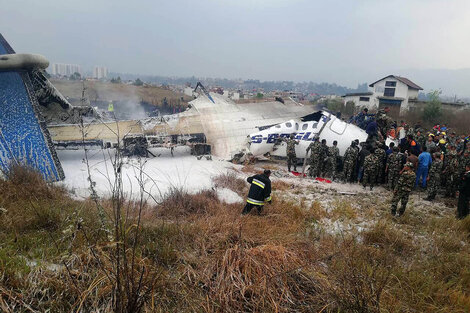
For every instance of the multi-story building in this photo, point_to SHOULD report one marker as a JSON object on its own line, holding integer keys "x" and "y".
{"x": 61, "y": 69}
{"x": 100, "y": 72}
{"x": 392, "y": 91}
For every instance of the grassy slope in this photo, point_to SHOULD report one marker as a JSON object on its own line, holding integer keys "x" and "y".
{"x": 208, "y": 258}
{"x": 106, "y": 91}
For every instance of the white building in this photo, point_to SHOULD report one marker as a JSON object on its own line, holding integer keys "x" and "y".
{"x": 392, "y": 91}
{"x": 361, "y": 99}
{"x": 395, "y": 91}
{"x": 100, "y": 72}
{"x": 61, "y": 69}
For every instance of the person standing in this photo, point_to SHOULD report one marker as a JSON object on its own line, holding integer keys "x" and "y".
{"x": 314, "y": 161}
{"x": 350, "y": 159}
{"x": 365, "y": 151}
{"x": 290, "y": 152}
{"x": 370, "y": 170}
{"x": 424, "y": 162}
{"x": 393, "y": 168}
{"x": 450, "y": 173}
{"x": 259, "y": 193}
{"x": 381, "y": 156}
{"x": 434, "y": 178}
{"x": 403, "y": 189}
{"x": 464, "y": 195}
{"x": 331, "y": 163}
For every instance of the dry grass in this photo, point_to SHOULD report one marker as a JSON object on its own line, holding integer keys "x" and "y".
{"x": 231, "y": 181}
{"x": 206, "y": 257}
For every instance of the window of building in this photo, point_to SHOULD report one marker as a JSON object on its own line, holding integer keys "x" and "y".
{"x": 390, "y": 84}
{"x": 389, "y": 92}
{"x": 364, "y": 99}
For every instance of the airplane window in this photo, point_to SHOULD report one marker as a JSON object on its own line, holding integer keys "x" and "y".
{"x": 289, "y": 124}
{"x": 297, "y": 126}
{"x": 304, "y": 126}
{"x": 278, "y": 126}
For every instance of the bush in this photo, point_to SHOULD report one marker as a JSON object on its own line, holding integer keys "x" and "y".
{"x": 433, "y": 110}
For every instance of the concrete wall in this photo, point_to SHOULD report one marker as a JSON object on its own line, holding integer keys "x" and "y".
{"x": 401, "y": 89}
{"x": 371, "y": 104}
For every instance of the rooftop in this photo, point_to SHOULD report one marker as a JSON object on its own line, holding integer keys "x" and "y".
{"x": 404, "y": 80}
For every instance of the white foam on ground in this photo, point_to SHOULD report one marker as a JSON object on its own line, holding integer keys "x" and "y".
{"x": 228, "y": 196}
{"x": 160, "y": 173}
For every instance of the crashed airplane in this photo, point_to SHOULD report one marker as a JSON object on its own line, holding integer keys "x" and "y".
{"x": 211, "y": 124}
{"x": 24, "y": 138}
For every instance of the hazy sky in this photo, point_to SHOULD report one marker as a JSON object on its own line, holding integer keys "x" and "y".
{"x": 342, "y": 41}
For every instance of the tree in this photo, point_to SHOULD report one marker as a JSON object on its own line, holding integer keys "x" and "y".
{"x": 116, "y": 80}
{"x": 138, "y": 82}
{"x": 334, "y": 105}
{"x": 433, "y": 109}
{"x": 259, "y": 95}
{"x": 75, "y": 76}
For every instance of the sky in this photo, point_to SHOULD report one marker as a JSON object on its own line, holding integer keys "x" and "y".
{"x": 342, "y": 41}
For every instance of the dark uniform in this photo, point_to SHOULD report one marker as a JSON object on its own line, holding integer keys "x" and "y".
{"x": 464, "y": 195}
{"x": 402, "y": 191}
{"x": 260, "y": 191}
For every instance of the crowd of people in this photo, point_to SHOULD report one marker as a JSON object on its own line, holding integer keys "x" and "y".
{"x": 431, "y": 160}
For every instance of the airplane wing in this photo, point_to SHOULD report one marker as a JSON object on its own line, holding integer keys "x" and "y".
{"x": 24, "y": 138}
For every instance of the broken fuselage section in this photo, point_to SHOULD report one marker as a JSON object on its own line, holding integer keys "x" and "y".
{"x": 319, "y": 125}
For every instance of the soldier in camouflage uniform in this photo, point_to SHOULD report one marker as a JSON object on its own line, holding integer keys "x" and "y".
{"x": 330, "y": 167}
{"x": 421, "y": 139}
{"x": 323, "y": 158}
{"x": 314, "y": 161}
{"x": 370, "y": 170}
{"x": 451, "y": 173}
{"x": 349, "y": 161}
{"x": 434, "y": 177}
{"x": 463, "y": 160}
{"x": 381, "y": 156}
{"x": 402, "y": 191}
{"x": 290, "y": 152}
{"x": 394, "y": 164}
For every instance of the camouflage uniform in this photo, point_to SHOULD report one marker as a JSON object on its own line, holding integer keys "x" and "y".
{"x": 330, "y": 167}
{"x": 381, "y": 156}
{"x": 323, "y": 159}
{"x": 394, "y": 169}
{"x": 290, "y": 152}
{"x": 384, "y": 123}
{"x": 315, "y": 162}
{"x": 451, "y": 174}
{"x": 434, "y": 178}
{"x": 391, "y": 159}
{"x": 421, "y": 140}
{"x": 402, "y": 191}
{"x": 370, "y": 170}
{"x": 350, "y": 159}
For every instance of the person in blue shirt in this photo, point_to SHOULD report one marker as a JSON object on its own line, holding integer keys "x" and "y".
{"x": 424, "y": 162}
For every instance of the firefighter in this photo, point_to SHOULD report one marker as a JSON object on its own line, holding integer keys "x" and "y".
{"x": 260, "y": 192}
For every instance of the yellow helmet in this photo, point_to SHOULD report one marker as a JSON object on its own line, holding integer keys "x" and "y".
{"x": 442, "y": 141}
{"x": 443, "y": 133}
